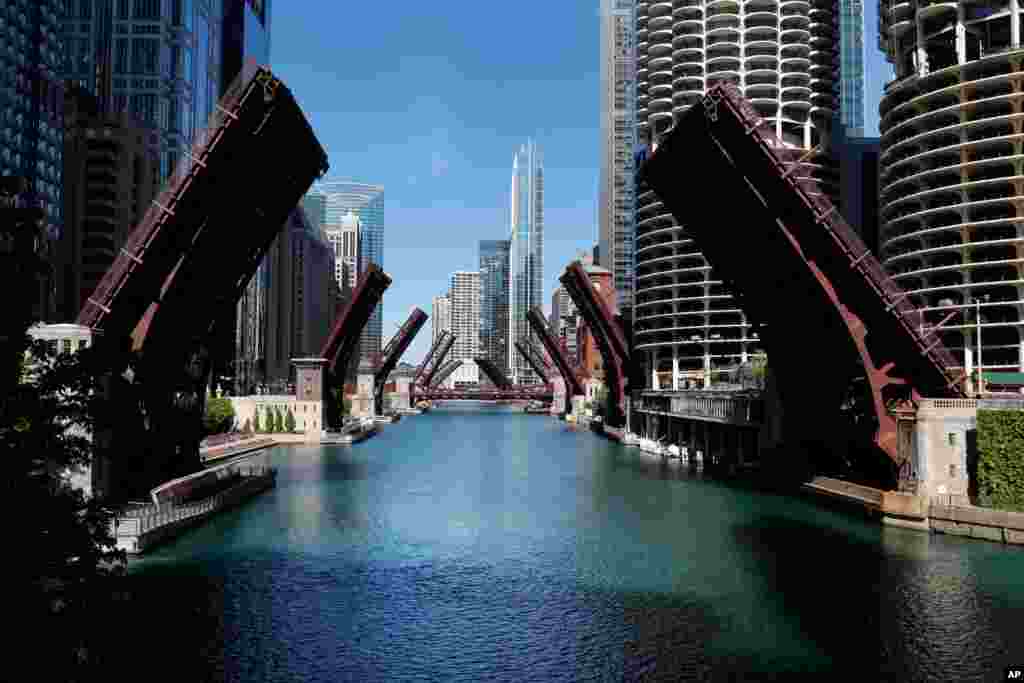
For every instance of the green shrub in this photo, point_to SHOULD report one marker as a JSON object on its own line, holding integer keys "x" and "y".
{"x": 219, "y": 415}
{"x": 1000, "y": 475}
{"x": 271, "y": 422}
{"x": 289, "y": 421}
{"x": 256, "y": 426}
{"x": 278, "y": 421}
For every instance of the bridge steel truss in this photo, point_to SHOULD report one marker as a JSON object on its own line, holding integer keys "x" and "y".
{"x": 779, "y": 243}
{"x": 535, "y": 360}
{"x": 608, "y": 335}
{"x": 186, "y": 263}
{"x": 429, "y": 361}
{"x": 393, "y": 352}
{"x": 443, "y": 373}
{"x": 573, "y": 383}
{"x": 430, "y": 376}
{"x": 493, "y": 372}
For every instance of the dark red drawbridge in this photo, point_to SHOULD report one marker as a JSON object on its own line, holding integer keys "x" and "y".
{"x": 608, "y": 335}
{"x": 535, "y": 360}
{"x": 185, "y": 264}
{"x": 570, "y": 374}
{"x": 493, "y": 372}
{"x": 427, "y": 366}
{"x": 348, "y": 327}
{"x": 392, "y": 353}
{"x": 780, "y": 245}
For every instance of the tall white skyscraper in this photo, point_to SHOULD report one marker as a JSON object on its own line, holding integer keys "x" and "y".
{"x": 526, "y": 253}
{"x": 784, "y": 59}
{"x": 441, "y": 319}
{"x": 616, "y": 195}
{"x": 464, "y": 295}
{"x": 344, "y": 239}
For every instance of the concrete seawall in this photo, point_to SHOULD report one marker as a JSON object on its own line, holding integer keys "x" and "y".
{"x": 140, "y": 530}
{"x": 918, "y": 512}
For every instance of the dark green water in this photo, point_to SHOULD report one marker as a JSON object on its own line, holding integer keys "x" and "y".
{"x": 480, "y": 544}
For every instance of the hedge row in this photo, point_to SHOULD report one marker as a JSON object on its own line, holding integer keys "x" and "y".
{"x": 1001, "y": 459}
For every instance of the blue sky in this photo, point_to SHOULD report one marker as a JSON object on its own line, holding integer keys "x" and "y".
{"x": 431, "y": 100}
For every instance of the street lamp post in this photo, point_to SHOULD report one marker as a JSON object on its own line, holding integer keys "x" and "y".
{"x": 977, "y": 334}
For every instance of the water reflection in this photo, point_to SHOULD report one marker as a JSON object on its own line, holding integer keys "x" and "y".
{"x": 471, "y": 545}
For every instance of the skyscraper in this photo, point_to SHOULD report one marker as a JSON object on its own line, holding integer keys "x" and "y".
{"x": 245, "y": 36}
{"x": 111, "y": 174}
{"x": 159, "y": 60}
{"x": 782, "y": 57}
{"x": 441, "y": 317}
{"x": 616, "y": 196}
{"x": 31, "y": 114}
{"x": 494, "y": 281}
{"x": 315, "y": 206}
{"x": 950, "y": 169}
{"x": 526, "y": 253}
{"x": 344, "y": 239}
{"x": 851, "y": 67}
{"x": 367, "y": 203}
{"x": 464, "y": 294}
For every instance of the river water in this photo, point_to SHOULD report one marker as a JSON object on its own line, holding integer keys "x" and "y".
{"x": 477, "y": 543}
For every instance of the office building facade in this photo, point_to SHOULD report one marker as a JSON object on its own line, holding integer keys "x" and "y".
{"x": 526, "y": 254}
{"x": 302, "y": 300}
{"x": 367, "y": 203}
{"x": 616, "y": 196}
{"x": 441, "y": 317}
{"x": 111, "y": 174}
{"x": 851, "y": 67}
{"x": 159, "y": 60}
{"x": 464, "y": 297}
{"x": 783, "y": 58}
{"x": 31, "y": 114}
{"x": 494, "y": 290}
{"x": 950, "y": 164}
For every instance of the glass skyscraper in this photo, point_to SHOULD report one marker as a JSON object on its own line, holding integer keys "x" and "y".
{"x": 616, "y": 199}
{"x": 158, "y": 59}
{"x": 526, "y": 253}
{"x": 31, "y": 113}
{"x": 851, "y": 67}
{"x": 367, "y": 202}
{"x": 494, "y": 281}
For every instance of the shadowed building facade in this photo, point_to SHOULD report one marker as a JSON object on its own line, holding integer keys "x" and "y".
{"x": 111, "y": 174}
{"x": 494, "y": 279}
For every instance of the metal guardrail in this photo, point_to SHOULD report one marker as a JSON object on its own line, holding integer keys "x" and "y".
{"x": 726, "y": 408}
{"x": 145, "y": 518}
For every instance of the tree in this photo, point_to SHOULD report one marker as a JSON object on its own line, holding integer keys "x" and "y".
{"x": 289, "y": 422}
{"x": 278, "y": 422}
{"x": 219, "y": 415}
{"x": 67, "y": 556}
{"x": 256, "y": 427}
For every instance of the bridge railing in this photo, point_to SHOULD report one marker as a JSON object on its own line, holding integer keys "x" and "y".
{"x": 139, "y": 520}
{"x": 725, "y": 408}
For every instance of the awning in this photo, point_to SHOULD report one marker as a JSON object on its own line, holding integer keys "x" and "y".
{"x": 1007, "y": 378}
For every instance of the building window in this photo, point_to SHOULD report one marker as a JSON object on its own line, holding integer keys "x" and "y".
{"x": 66, "y": 346}
{"x": 951, "y": 436}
